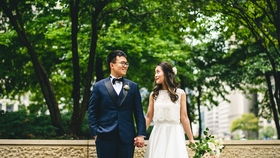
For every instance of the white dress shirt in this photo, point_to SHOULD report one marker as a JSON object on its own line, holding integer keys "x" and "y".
{"x": 117, "y": 86}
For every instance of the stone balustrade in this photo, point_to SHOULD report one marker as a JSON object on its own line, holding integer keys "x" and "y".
{"x": 16, "y": 148}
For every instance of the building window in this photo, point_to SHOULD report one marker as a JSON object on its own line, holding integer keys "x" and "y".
{"x": 10, "y": 108}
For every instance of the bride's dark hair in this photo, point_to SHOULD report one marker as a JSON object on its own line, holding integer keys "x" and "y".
{"x": 169, "y": 81}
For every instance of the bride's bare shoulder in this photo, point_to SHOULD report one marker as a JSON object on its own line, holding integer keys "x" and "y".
{"x": 180, "y": 91}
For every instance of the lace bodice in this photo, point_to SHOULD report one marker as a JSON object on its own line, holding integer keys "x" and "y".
{"x": 165, "y": 110}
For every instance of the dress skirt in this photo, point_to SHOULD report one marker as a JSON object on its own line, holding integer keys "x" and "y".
{"x": 167, "y": 140}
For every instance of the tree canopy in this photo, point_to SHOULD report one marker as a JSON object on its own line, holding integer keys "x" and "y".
{"x": 55, "y": 50}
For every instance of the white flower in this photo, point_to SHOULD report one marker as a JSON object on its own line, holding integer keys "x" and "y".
{"x": 211, "y": 146}
{"x": 174, "y": 69}
{"x": 208, "y": 147}
{"x": 206, "y": 155}
{"x": 126, "y": 87}
{"x": 217, "y": 152}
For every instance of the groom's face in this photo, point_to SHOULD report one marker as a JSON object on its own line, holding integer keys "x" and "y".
{"x": 119, "y": 67}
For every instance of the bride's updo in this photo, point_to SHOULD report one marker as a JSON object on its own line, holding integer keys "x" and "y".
{"x": 169, "y": 81}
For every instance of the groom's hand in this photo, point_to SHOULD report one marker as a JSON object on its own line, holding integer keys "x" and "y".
{"x": 139, "y": 141}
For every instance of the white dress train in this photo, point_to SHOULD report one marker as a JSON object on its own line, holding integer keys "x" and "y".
{"x": 167, "y": 139}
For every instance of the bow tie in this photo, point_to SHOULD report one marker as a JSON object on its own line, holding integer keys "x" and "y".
{"x": 117, "y": 80}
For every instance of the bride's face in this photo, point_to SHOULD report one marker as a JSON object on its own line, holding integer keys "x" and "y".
{"x": 159, "y": 75}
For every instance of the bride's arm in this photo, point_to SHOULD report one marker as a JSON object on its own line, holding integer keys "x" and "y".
{"x": 150, "y": 112}
{"x": 184, "y": 117}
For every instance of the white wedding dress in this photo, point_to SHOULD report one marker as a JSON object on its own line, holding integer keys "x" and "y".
{"x": 167, "y": 139}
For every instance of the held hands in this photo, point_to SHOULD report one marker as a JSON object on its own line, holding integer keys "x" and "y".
{"x": 139, "y": 141}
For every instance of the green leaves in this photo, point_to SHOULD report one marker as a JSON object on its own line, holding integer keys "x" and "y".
{"x": 247, "y": 122}
{"x": 207, "y": 146}
{"x": 25, "y": 126}
{"x": 212, "y": 44}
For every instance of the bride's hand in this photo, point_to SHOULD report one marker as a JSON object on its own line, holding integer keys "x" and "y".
{"x": 192, "y": 141}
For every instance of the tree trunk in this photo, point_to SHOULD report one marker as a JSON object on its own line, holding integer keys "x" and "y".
{"x": 98, "y": 69}
{"x": 255, "y": 110}
{"x": 40, "y": 72}
{"x": 262, "y": 36}
{"x": 90, "y": 68}
{"x": 74, "y": 9}
{"x": 199, "y": 112}
{"x": 77, "y": 122}
{"x": 189, "y": 109}
{"x": 255, "y": 106}
{"x": 277, "y": 89}
{"x": 272, "y": 102}
{"x": 276, "y": 18}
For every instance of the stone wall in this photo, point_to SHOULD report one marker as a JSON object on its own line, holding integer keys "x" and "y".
{"x": 86, "y": 149}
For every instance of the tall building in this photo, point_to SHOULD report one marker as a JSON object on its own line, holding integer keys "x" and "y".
{"x": 220, "y": 117}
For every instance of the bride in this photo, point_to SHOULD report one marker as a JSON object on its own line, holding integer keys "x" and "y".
{"x": 167, "y": 110}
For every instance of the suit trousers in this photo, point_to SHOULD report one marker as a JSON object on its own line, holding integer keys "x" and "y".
{"x": 110, "y": 145}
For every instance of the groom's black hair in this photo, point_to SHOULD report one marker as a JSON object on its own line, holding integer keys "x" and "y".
{"x": 111, "y": 58}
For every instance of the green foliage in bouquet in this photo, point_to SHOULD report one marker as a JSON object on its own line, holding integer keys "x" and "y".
{"x": 208, "y": 146}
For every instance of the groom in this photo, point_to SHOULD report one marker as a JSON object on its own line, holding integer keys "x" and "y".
{"x": 115, "y": 103}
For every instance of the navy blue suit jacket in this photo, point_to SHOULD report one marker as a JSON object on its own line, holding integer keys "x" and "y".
{"x": 108, "y": 111}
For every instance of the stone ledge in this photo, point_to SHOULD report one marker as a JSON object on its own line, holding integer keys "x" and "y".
{"x": 46, "y": 142}
{"x": 92, "y": 143}
{"x": 86, "y": 149}
{"x": 251, "y": 142}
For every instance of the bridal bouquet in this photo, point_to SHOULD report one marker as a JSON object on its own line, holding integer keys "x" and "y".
{"x": 207, "y": 147}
